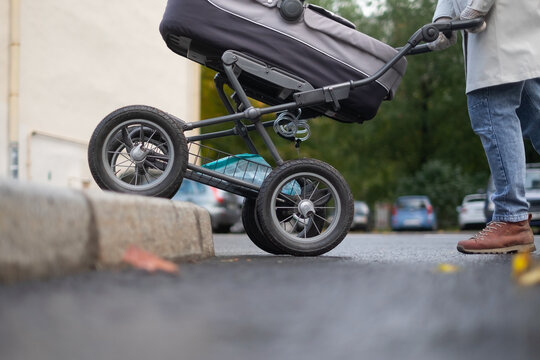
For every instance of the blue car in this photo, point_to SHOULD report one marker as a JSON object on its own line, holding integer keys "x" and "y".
{"x": 413, "y": 212}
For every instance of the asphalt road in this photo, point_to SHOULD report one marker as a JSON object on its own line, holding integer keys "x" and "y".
{"x": 376, "y": 296}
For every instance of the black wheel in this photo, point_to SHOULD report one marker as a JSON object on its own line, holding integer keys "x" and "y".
{"x": 305, "y": 207}
{"x": 138, "y": 150}
{"x": 253, "y": 229}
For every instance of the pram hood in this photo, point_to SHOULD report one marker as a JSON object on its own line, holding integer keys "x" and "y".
{"x": 316, "y": 47}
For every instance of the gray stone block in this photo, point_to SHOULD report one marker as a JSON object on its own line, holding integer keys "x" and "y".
{"x": 168, "y": 229}
{"x": 44, "y": 231}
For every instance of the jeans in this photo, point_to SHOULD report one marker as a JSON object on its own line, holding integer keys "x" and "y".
{"x": 502, "y": 116}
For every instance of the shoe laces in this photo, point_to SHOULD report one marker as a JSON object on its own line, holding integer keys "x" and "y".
{"x": 491, "y": 227}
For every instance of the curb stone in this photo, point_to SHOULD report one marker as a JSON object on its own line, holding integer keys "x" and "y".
{"x": 50, "y": 231}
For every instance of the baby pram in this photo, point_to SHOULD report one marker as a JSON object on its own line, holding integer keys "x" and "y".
{"x": 300, "y": 60}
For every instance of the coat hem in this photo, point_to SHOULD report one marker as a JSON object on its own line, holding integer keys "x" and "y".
{"x": 505, "y": 80}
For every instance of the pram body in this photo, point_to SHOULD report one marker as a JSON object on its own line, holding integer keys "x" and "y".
{"x": 316, "y": 48}
{"x": 300, "y": 63}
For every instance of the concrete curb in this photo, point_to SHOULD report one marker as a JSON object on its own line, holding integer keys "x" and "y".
{"x": 49, "y": 231}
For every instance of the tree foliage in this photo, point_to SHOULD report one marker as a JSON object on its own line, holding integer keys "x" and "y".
{"x": 421, "y": 141}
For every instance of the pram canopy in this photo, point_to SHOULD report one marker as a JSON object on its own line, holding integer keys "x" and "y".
{"x": 319, "y": 47}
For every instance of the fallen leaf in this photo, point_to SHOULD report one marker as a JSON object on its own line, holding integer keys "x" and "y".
{"x": 530, "y": 278}
{"x": 144, "y": 260}
{"x": 526, "y": 271}
{"x": 447, "y": 268}
{"x": 521, "y": 263}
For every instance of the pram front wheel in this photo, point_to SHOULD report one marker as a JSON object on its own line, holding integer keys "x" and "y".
{"x": 305, "y": 207}
{"x": 253, "y": 228}
{"x": 138, "y": 150}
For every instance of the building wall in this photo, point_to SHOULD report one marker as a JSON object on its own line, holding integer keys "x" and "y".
{"x": 4, "y": 45}
{"x": 81, "y": 60}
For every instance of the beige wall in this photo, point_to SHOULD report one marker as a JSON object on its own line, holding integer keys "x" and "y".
{"x": 81, "y": 60}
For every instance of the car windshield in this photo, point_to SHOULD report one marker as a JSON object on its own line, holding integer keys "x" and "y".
{"x": 532, "y": 181}
{"x": 411, "y": 203}
{"x": 360, "y": 208}
{"x": 474, "y": 198}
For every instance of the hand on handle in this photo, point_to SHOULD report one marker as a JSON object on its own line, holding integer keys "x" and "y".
{"x": 469, "y": 14}
{"x": 445, "y": 39}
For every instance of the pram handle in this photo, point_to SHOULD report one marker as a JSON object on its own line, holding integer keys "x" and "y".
{"x": 445, "y": 28}
{"x": 335, "y": 93}
{"x": 464, "y": 24}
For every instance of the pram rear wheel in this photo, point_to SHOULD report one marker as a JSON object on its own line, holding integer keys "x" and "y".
{"x": 138, "y": 150}
{"x": 253, "y": 228}
{"x": 305, "y": 207}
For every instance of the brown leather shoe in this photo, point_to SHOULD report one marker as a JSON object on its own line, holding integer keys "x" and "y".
{"x": 500, "y": 238}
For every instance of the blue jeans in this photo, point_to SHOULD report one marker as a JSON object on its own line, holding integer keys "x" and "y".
{"x": 502, "y": 116}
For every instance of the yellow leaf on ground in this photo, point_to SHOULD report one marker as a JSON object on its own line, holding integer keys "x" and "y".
{"x": 525, "y": 270}
{"x": 530, "y": 278}
{"x": 447, "y": 268}
{"x": 520, "y": 263}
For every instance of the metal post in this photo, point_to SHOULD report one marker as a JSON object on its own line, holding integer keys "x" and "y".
{"x": 229, "y": 71}
{"x": 13, "y": 100}
{"x": 239, "y": 126}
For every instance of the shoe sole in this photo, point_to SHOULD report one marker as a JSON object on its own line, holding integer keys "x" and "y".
{"x": 528, "y": 248}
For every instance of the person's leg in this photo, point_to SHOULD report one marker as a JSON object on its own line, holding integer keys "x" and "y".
{"x": 529, "y": 112}
{"x": 493, "y": 117}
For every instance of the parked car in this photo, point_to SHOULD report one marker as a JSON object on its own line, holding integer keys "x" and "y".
{"x": 532, "y": 193}
{"x": 413, "y": 212}
{"x": 361, "y": 216}
{"x": 224, "y": 207}
{"x": 471, "y": 212}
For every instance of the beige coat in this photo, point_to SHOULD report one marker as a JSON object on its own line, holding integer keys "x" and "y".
{"x": 509, "y": 50}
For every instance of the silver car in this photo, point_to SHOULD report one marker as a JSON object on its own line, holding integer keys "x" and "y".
{"x": 471, "y": 212}
{"x": 532, "y": 193}
{"x": 361, "y": 216}
{"x": 224, "y": 207}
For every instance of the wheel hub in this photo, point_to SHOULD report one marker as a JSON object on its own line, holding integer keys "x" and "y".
{"x": 137, "y": 154}
{"x": 306, "y": 208}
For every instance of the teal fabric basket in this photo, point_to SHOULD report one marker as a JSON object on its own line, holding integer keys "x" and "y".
{"x": 251, "y": 168}
{"x": 248, "y": 167}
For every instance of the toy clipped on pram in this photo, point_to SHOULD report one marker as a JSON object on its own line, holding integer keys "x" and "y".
{"x": 302, "y": 62}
